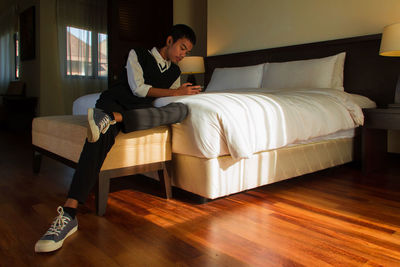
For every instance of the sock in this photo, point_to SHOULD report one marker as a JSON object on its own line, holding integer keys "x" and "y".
{"x": 71, "y": 212}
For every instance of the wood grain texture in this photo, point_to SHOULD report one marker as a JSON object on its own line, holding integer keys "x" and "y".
{"x": 337, "y": 217}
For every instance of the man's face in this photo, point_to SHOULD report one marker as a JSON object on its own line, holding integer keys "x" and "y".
{"x": 178, "y": 50}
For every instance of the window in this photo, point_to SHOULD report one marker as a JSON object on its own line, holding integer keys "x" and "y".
{"x": 102, "y": 67}
{"x": 86, "y": 54}
{"x": 17, "y": 66}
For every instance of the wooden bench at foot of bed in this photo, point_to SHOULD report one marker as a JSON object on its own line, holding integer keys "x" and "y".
{"x": 63, "y": 137}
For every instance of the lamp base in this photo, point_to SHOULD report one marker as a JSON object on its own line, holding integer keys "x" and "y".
{"x": 397, "y": 92}
{"x": 191, "y": 79}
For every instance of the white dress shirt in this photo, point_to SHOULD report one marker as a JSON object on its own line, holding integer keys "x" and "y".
{"x": 135, "y": 72}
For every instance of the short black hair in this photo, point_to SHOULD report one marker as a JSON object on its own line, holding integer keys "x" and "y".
{"x": 179, "y": 31}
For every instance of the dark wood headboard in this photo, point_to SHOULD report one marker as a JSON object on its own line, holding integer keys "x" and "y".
{"x": 365, "y": 72}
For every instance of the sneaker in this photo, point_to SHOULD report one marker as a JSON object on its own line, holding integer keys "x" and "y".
{"x": 99, "y": 122}
{"x": 62, "y": 227}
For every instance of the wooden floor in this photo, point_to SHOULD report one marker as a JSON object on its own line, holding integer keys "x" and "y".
{"x": 337, "y": 217}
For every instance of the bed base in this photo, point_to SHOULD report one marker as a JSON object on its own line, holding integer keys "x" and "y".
{"x": 222, "y": 176}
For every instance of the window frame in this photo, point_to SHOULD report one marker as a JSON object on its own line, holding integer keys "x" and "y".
{"x": 98, "y": 53}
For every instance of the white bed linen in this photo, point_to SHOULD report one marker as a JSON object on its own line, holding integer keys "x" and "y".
{"x": 250, "y": 121}
{"x": 182, "y": 142}
{"x": 83, "y": 103}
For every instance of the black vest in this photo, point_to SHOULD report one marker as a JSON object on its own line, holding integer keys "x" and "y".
{"x": 152, "y": 73}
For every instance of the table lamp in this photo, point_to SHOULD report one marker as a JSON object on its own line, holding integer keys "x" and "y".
{"x": 192, "y": 65}
{"x": 390, "y": 47}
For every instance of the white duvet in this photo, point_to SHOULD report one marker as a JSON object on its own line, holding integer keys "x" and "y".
{"x": 252, "y": 121}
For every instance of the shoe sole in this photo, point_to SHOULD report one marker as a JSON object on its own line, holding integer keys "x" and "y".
{"x": 54, "y": 246}
{"x": 93, "y": 133}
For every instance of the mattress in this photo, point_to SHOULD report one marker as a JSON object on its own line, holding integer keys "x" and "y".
{"x": 183, "y": 138}
{"x": 263, "y": 121}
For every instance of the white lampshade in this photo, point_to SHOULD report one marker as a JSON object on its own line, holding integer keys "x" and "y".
{"x": 390, "y": 43}
{"x": 191, "y": 65}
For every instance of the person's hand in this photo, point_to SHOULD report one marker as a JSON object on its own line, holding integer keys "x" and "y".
{"x": 188, "y": 89}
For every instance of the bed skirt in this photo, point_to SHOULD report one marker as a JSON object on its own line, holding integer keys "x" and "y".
{"x": 218, "y": 177}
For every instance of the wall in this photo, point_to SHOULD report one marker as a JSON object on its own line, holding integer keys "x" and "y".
{"x": 236, "y": 25}
{"x": 194, "y": 14}
{"x": 5, "y": 4}
{"x": 41, "y": 73}
{"x": 51, "y": 97}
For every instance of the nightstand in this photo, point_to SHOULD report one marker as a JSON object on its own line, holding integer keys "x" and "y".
{"x": 374, "y": 135}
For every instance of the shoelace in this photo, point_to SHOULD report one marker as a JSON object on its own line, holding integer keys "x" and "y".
{"x": 105, "y": 123}
{"x": 59, "y": 223}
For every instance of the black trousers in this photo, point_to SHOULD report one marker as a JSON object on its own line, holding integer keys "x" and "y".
{"x": 136, "y": 116}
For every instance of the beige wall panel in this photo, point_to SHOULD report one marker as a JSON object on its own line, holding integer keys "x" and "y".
{"x": 194, "y": 14}
{"x": 236, "y": 25}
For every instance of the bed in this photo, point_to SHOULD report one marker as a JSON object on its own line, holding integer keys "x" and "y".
{"x": 229, "y": 143}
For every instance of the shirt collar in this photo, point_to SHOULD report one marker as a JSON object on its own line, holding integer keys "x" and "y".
{"x": 161, "y": 62}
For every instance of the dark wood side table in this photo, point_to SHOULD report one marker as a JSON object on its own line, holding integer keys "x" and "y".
{"x": 374, "y": 136}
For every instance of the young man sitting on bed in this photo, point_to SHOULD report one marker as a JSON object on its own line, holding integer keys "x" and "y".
{"x": 127, "y": 106}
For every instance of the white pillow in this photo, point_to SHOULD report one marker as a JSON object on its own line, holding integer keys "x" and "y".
{"x": 235, "y": 78}
{"x": 363, "y": 101}
{"x": 324, "y": 72}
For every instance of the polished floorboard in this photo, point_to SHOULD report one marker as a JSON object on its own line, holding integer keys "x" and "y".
{"x": 336, "y": 217}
